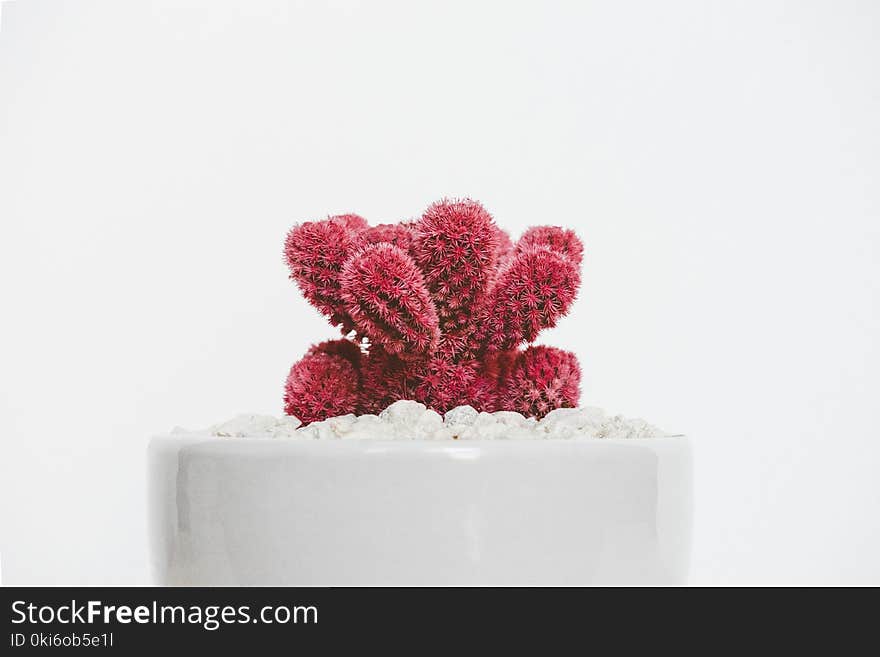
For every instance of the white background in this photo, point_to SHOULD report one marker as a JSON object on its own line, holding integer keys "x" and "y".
{"x": 720, "y": 160}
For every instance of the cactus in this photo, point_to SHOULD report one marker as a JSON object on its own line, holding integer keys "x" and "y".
{"x": 439, "y": 309}
{"x": 536, "y": 288}
{"x": 561, "y": 240}
{"x": 385, "y": 295}
{"x": 397, "y": 234}
{"x": 325, "y": 382}
{"x": 442, "y": 383}
{"x": 315, "y": 252}
{"x": 455, "y": 246}
{"x": 542, "y": 379}
{"x": 385, "y": 378}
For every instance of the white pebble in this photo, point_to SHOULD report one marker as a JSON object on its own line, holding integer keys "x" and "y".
{"x": 485, "y": 420}
{"x": 410, "y": 420}
{"x": 563, "y": 419}
{"x": 251, "y": 424}
{"x": 403, "y": 411}
{"x": 368, "y": 421}
{"x": 520, "y": 433}
{"x": 512, "y": 419}
{"x": 484, "y": 431}
{"x": 461, "y": 415}
{"x": 341, "y": 424}
{"x": 428, "y": 423}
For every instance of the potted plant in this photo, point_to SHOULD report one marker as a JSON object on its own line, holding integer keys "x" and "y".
{"x": 441, "y": 311}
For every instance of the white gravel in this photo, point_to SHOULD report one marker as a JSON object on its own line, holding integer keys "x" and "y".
{"x": 410, "y": 420}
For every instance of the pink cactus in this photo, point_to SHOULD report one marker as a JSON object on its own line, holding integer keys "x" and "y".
{"x": 346, "y": 349}
{"x": 443, "y": 383}
{"x": 536, "y": 288}
{"x": 397, "y": 234}
{"x": 561, "y": 240}
{"x": 324, "y": 383}
{"x": 442, "y": 306}
{"x": 484, "y": 392}
{"x": 384, "y": 379}
{"x": 385, "y": 295}
{"x": 455, "y": 246}
{"x": 503, "y": 247}
{"x": 353, "y": 222}
{"x": 315, "y": 252}
{"x": 542, "y": 379}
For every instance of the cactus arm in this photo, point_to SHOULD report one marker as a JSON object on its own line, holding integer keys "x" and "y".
{"x": 324, "y": 383}
{"x": 542, "y": 379}
{"x": 455, "y": 245}
{"x": 315, "y": 252}
{"x": 561, "y": 240}
{"x": 386, "y": 297}
{"x": 534, "y": 291}
{"x": 397, "y": 234}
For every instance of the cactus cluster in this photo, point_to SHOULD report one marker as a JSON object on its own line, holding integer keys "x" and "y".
{"x": 435, "y": 310}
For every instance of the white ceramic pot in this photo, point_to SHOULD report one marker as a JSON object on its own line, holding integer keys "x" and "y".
{"x": 236, "y": 511}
